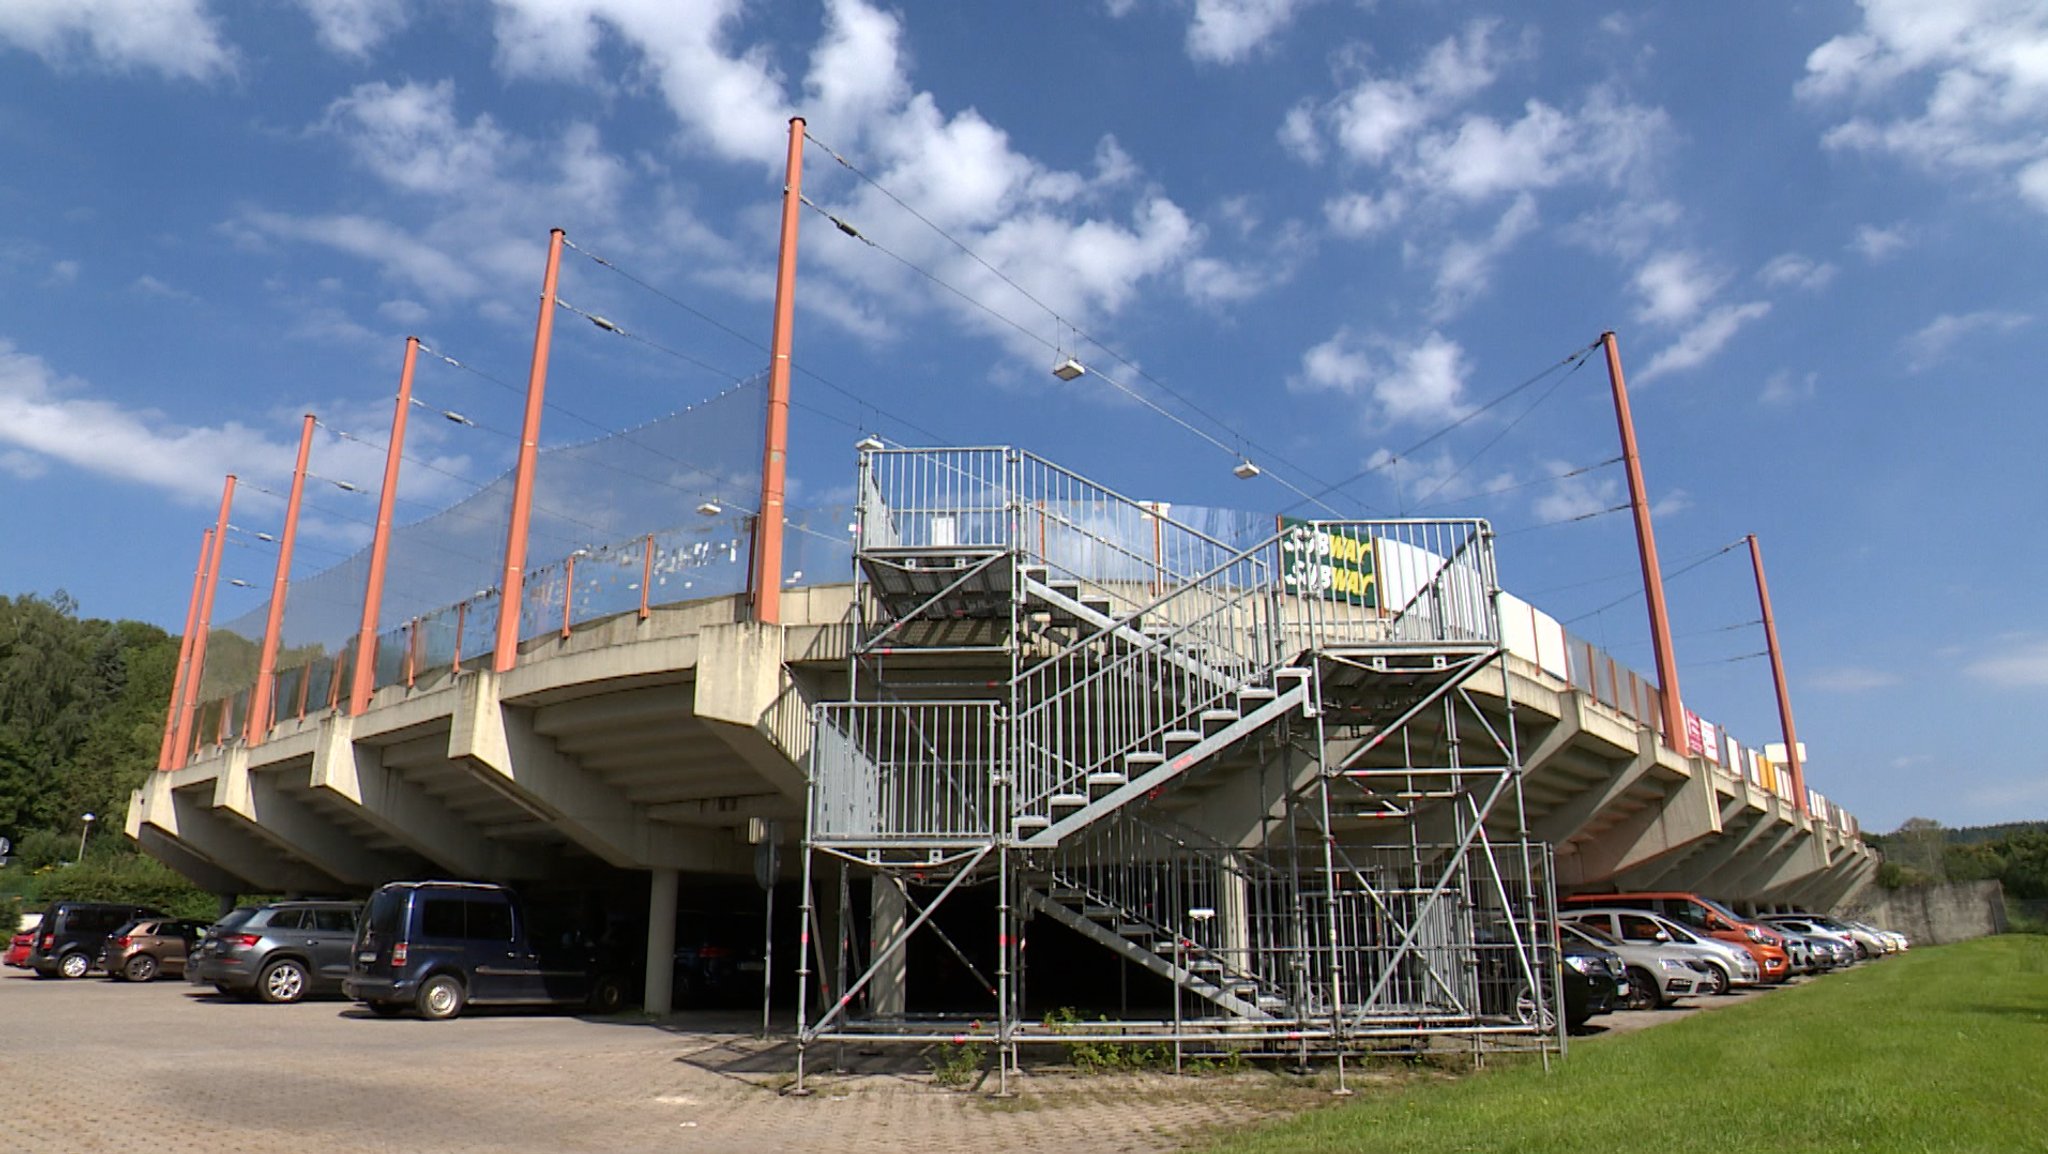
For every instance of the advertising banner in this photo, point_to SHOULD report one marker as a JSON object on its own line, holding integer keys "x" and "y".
{"x": 1335, "y": 562}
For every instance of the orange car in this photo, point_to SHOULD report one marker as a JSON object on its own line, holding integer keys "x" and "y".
{"x": 1708, "y": 917}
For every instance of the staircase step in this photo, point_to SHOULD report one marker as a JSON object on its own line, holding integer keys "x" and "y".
{"x": 1109, "y": 781}
{"x": 1101, "y": 605}
{"x": 1135, "y": 930}
{"x": 1256, "y": 693}
{"x": 1271, "y": 1003}
{"x": 1180, "y": 737}
{"x": 1068, "y": 801}
{"x": 1066, "y": 896}
{"x": 1032, "y": 822}
{"x": 1218, "y": 718}
{"x": 1099, "y": 913}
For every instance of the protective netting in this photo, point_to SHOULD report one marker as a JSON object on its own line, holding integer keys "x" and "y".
{"x": 666, "y": 505}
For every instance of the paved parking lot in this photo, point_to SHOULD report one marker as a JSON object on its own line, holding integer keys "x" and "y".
{"x": 171, "y": 1067}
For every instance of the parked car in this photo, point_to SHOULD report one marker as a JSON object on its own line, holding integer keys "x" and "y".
{"x": 1868, "y": 943}
{"x": 148, "y": 947}
{"x": 1595, "y": 979}
{"x": 438, "y": 947}
{"x": 1815, "y": 932}
{"x": 1728, "y": 965}
{"x": 18, "y": 948}
{"x": 68, "y": 941}
{"x": 279, "y": 953}
{"x": 1657, "y": 974}
{"x": 1703, "y": 915}
{"x": 1798, "y": 955}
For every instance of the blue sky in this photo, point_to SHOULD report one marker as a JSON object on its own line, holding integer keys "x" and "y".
{"x": 1316, "y": 232}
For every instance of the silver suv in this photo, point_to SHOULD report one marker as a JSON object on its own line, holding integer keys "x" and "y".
{"x": 281, "y": 952}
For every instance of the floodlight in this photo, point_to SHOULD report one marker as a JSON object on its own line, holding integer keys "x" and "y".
{"x": 1245, "y": 470}
{"x": 1069, "y": 369}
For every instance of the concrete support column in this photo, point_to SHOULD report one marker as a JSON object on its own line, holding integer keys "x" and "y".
{"x": 662, "y": 890}
{"x": 1233, "y": 917}
{"x": 888, "y": 910}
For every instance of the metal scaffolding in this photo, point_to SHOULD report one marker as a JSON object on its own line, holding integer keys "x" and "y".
{"x": 1255, "y": 773}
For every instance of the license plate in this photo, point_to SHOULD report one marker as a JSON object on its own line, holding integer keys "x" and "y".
{"x": 366, "y": 958}
{"x": 1621, "y": 989}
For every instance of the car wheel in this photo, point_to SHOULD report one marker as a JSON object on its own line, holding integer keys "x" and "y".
{"x": 386, "y": 1009}
{"x": 140, "y": 968}
{"x": 1717, "y": 979}
{"x": 282, "y": 982}
{"x": 73, "y": 965}
{"x": 607, "y": 996}
{"x": 1529, "y": 1012}
{"x": 441, "y": 997}
{"x": 1642, "y": 990}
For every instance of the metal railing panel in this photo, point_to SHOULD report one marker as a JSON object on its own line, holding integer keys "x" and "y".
{"x": 888, "y": 773}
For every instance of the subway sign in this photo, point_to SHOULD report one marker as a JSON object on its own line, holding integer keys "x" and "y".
{"x": 1335, "y": 562}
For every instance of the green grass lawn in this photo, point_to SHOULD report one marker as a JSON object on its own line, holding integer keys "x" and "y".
{"x": 1941, "y": 1048}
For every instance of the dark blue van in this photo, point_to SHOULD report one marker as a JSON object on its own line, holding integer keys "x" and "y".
{"x": 438, "y": 946}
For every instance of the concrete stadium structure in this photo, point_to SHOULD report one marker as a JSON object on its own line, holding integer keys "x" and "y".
{"x": 666, "y": 746}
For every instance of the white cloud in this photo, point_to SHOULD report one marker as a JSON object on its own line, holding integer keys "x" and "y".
{"x": 354, "y": 28}
{"x": 1852, "y": 679}
{"x": 1675, "y": 286}
{"x": 1417, "y": 383}
{"x": 1785, "y": 388}
{"x": 1434, "y": 163}
{"x": 1932, "y": 342}
{"x": 1671, "y": 504}
{"x": 64, "y": 272}
{"x": 1796, "y": 270}
{"x": 1465, "y": 267}
{"x": 1229, "y": 31}
{"x": 2024, "y": 667}
{"x": 411, "y": 137}
{"x": 1358, "y": 215}
{"x": 1704, "y": 340}
{"x": 1878, "y": 244}
{"x": 1298, "y": 135}
{"x": 46, "y": 418}
{"x": 150, "y": 286}
{"x": 1954, "y": 86}
{"x": 727, "y": 99}
{"x": 402, "y": 256}
{"x": 177, "y": 38}
{"x": 1575, "y": 494}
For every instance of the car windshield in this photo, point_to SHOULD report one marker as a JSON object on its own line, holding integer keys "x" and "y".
{"x": 1733, "y": 917}
{"x": 1597, "y": 936}
{"x": 234, "y": 917}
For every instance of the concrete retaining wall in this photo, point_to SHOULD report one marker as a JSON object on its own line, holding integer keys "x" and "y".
{"x": 1934, "y": 915}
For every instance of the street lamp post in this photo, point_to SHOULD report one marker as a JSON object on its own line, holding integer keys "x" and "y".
{"x": 83, "y": 834}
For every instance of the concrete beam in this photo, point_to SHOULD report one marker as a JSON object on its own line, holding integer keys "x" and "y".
{"x": 257, "y": 800}
{"x": 1686, "y": 816}
{"x": 355, "y": 774}
{"x": 748, "y": 698}
{"x": 1761, "y": 866}
{"x": 183, "y": 811}
{"x": 1563, "y": 823}
{"x": 1742, "y": 828}
{"x": 162, "y": 846}
{"x": 497, "y": 744}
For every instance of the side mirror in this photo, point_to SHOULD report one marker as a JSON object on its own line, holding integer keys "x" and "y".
{"x": 1662, "y": 936}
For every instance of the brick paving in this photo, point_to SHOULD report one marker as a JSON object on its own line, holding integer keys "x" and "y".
{"x": 95, "y": 1065}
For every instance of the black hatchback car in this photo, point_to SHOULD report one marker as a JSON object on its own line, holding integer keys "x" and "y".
{"x": 282, "y": 952}
{"x": 1595, "y": 980}
{"x": 438, "y": 946}
{"x": 69, "y": 940}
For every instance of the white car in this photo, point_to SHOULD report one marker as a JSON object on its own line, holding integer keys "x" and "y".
{"x": 1729, "y": 965}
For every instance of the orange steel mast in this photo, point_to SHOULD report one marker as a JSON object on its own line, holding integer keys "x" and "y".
{"x": 266, "y": 663}
{"x": 513, "y": 587}
{"x": 1646, "y": 547}
{"x": 182, "y": 745}
{"x": 1763, "y": 596}
{"x": 172, "y": 712}
{"x": 766, "y": 578}
{"x": 364, "y": 679}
